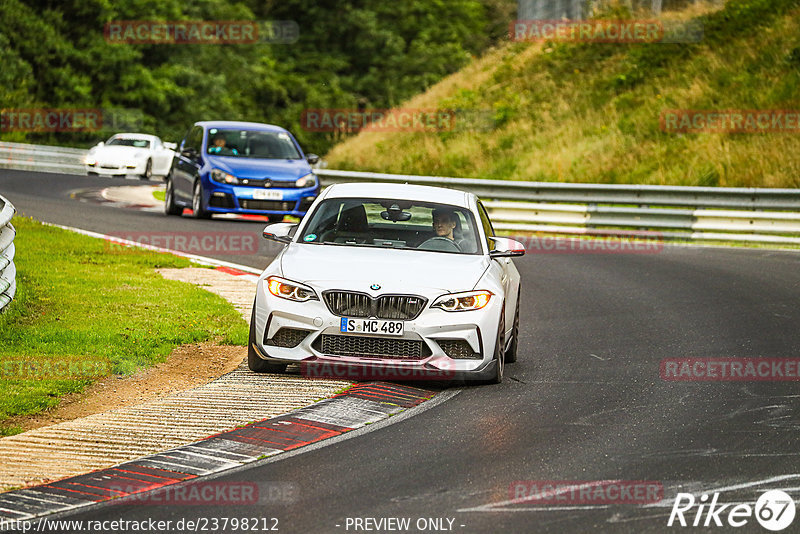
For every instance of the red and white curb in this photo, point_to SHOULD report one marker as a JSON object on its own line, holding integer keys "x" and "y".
{"x": 360, "y": 405}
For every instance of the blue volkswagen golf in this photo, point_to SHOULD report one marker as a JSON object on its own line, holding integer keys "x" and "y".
{"x": 240, "y": 167}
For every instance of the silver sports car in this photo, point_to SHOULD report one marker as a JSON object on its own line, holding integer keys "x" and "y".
{"x": 389, "y": 281}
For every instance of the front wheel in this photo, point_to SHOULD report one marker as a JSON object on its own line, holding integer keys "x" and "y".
{"x": 148, "y": 170}
{"x": 170, "y": 208}
{"x": 198, "y": 211}
{"x": 511, "y": 353}
{"x": 254, "y": 361}
{"x": 499, "y": 352}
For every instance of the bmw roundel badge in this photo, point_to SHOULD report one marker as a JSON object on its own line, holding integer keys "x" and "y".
{"x": 375, "y": 287}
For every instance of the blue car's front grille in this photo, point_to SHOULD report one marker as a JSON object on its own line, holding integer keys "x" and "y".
{"x": 268, "y": 182}
{"x": 266, "y": 205}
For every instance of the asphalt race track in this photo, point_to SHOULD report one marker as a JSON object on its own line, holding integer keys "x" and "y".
{"x": 585, "y": 402}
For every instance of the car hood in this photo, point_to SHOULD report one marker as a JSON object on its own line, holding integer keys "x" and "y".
{"x": 396, "y": 271}
{"x": 258, "y": 169}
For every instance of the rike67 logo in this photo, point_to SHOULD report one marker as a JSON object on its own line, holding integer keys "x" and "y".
{"x": 774, "y": 510}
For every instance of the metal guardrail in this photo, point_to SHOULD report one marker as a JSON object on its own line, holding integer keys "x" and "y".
{"x": 672, "y": 212}
{"x": 42, "y": 158}
{"x": 651, "y": 211}
{"x": 8, "y": 272}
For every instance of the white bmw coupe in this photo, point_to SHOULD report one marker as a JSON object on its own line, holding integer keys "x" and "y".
{"x": 389, "y": 281}
{"x": 130, "y": 153}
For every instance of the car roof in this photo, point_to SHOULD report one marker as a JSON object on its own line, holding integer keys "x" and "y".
{"x": 135, "y": 135}
{"x": 241, "y": 124}
{"x": 425, "y": 193}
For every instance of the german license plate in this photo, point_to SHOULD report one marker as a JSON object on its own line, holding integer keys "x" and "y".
{"x": 372, "y": 326}
{"x": 267, "y": 194}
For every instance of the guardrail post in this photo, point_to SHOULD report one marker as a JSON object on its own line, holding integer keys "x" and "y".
{"x": 8, "y": 272}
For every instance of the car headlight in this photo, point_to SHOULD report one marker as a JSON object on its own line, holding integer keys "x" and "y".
{"x": 465, "y": 301}
{"x": 224, "y": 177}
{"x": 90, "y": 160}
{"x": 309, "y": 180}
{"x": 286, "y": 289}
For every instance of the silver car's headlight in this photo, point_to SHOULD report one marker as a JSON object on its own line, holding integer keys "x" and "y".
{"x": 223, "y": 177}
{"x": 464, "y": 301}
{"x": 286, "y": 289}
{"x": 309, "y": 180}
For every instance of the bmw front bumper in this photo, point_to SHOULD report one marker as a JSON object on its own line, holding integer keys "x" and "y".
{"x": 307, "y": 333}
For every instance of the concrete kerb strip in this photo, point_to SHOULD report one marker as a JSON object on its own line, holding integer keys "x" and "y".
{"x": 356, "y": 407}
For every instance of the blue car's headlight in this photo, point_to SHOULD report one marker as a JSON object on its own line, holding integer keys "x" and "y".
{"x": 224, "y": 177}
{"x": 309, "y": 180}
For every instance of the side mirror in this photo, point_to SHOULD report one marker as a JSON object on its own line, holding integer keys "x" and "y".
{"x": 101, "y": 143}
{"x": 506, "y": 248}
{"x": 313, "y": 159}
{"x": 280, "y": 232}
{"x": 171, "y": 146}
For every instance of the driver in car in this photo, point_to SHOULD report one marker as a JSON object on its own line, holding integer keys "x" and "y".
{"x": 220, "y": 148}
{"x": 444, "y": 223}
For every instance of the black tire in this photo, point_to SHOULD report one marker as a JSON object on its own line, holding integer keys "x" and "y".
{"x": 170, "y": 208}
{"x": 275, "y": 218}
{"x": 254, "y": 361}
{"x": 148, "y": 170}
{"x": 198, "y": 211}
{"x": 511, "y": 353}
{"x": 499, "y": 354}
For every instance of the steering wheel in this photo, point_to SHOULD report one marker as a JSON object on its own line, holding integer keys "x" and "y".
{"x": 442, "y": 244}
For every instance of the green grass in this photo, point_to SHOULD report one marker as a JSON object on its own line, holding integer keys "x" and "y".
{"x": 590, "y": 112}
{"x": 96, "y": 306}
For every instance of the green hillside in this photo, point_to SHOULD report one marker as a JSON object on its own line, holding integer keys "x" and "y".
{"x": 590, "y": 112}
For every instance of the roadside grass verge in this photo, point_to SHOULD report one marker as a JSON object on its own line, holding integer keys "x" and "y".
{"x": 86, "y": 308}
{"x": 590, "y": 112}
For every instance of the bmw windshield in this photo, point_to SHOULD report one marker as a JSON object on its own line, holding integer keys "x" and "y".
{"x": 388, "y": 223}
